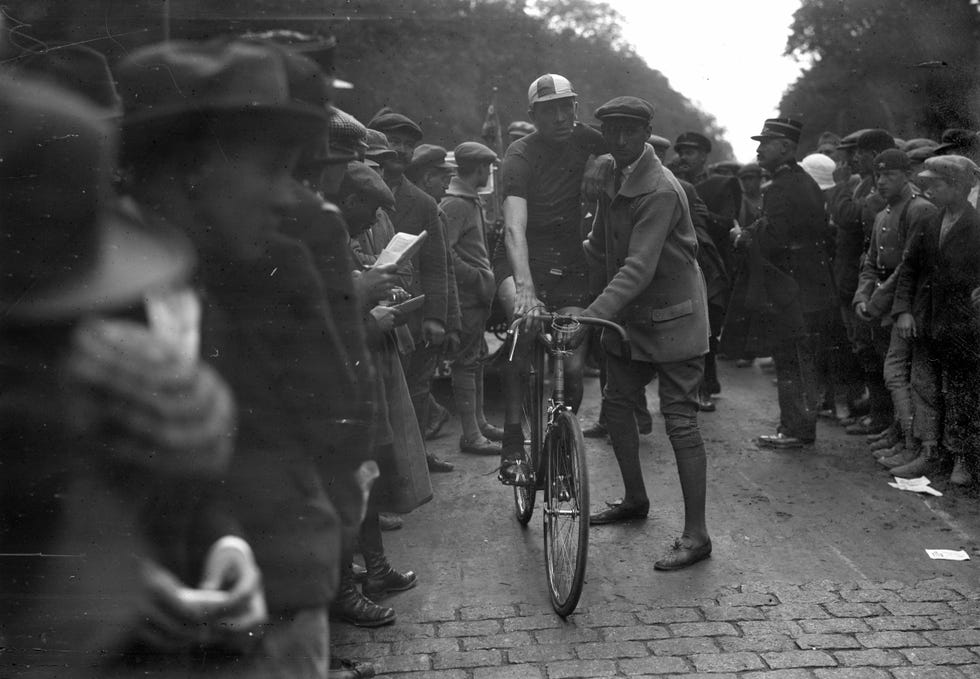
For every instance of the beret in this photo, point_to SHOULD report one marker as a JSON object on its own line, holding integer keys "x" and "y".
{"x": 694, "y": 139}
{"x": 429, "y": 155}
{"x": 891, "y": 159}
{"x": 475, "y": 152}
{"x": 387, "y": 121}
{"x": 875, "y": 140}
{"x": 368, "y": 183}
{"x": 951, "y": 168}
{"x": 626, "y": 107}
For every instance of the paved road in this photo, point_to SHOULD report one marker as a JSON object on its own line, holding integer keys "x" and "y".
{"x": 819, "y": 569}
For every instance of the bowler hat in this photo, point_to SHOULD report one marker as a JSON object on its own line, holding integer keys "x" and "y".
{"x": 891, "y": 159}
{"x": 387, "y": 121}
{"x": 632, "y": 108}
{"x": 169, "y": 80}
{"x": 549, "y": 86}
{"x": 692, "y": 140}
{"x": 951, "y": 168}
{"x": 368, "y": 183}
{"x": 780, "y": 128}
{"x": 474, "y": 152}
{"x": 66, "y": 250}
{"x": 875, "y": 140}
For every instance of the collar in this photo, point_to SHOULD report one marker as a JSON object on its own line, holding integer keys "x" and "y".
{"x": 461, "y": 189}
{"x": 645, "y": 174}
{"x": 628, "y": 170}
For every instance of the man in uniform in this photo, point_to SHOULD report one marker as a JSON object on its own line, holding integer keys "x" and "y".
{"x": 642, "y": 254}
{"x": 791, "y": 235}
{"x": 544, "y": 266}
{"x": 692, "y": 154}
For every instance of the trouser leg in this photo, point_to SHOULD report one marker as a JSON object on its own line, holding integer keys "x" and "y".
{"x": 797, "y": 389}
{"x": 624, "y": 380}
{"x": 897, "y": 368}
{"x": 927, "y": 403}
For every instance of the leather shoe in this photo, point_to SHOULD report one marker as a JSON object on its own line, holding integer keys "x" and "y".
{"x": 866, "y": 426}
{"x": 682, "y": 555}
{"x": 478, "y": 446}
{"x": 706, "y": 404}
{"x": 437, "y": 465}
{"x": 596, "y": 431}
{"x": 437, "y": 421}
{"x": 618, "y": 512}
{"x": 780, "y": 440}
{"x": 389, "y": 522}
{"x": 491, "y": 432}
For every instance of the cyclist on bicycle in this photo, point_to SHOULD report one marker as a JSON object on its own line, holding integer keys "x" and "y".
{"x": 544, "y": 266}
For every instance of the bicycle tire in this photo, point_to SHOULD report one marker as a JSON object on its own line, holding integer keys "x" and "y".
{"x": 566, "y": 512}
{"x": 532, "y": 423}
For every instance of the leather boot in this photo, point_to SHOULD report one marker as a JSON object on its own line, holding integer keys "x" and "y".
{"x": 354, "y": 608}
{"x": 926, "y": 464}
{"x": 383, "y": 579}
{"x": 960, "y": 476}
{"x": 888, "y": 441}
{"x": 903, "y": 455}
{"x": 893, "y": 432}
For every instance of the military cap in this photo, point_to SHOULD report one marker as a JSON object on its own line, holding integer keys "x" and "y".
{"x": 429, "y": 156}
{"x": 474, "y": 152}
{"x": 780, "y": 128}
{"x": 347, "y": 136}
{"x": 173, "y": 79}
{"x": 920, "y": 153}
{"x": 377, "y": 146}
{"x": 875, "y": 140}
{"x": 891, "y": 159}
{"x": 750, "y": 169}
{"x": 388, "y": 121}
{"x": 632, "y": 108}
{"x": 956, "y": 140}
{"x": 68, "y": 250}
{"x": 850, "y": 140}
{"x": 693, "y": 139}
{"x": 369, "y": 184}
{"x": 951, "y": 168}
{"x": 658, "y": 142}
{"x": 821, "y": 168}
{"x": 520, "y": 128}
{"x": 547, "y": 87}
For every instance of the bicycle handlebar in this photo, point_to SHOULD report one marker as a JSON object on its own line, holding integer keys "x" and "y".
{"x": 587, "y": 320}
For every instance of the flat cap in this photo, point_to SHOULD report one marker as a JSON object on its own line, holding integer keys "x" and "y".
{"x": 920, "y": 153}
{"x": 891, "y": 159}
{"x": 957, "y": 140}
{"x": 693, "y": 140}
{"x": 369, "y": 184}
{"x": 388, "y": 121}
{"x": 547, "y": 87}
{"x": 429, "y": 156}
{"x": 474, "y": 152}
{"x": 658, "y": 142}
{"x": 780, "y": 128}
{"x": 377, "y": 146}
{"x": 632, "y": 108}
{"x": 346, "y": 136}
{"x": 875, "y": 140}
{"x": 521, "y": 128}
{"x": 918, "y": 143}
{"x": 750, "y": 169}
{"x": 850, "y": 140}
{"x": 951, "y": 168}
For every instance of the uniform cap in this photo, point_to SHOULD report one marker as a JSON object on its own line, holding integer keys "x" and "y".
{"x": 474, "y": 152}
{"x": 891, "y": 159}
{"x": 875, "y": 140}
{"x": 547, "y": 87}
{"x": 821, "y": 168}
{"x": 692, "y": 140}
{"x": 388, "y": 121}
{"x": 780, "y": 128}
{"x": 951, "y": 168}
{"x": 369, "y": 184}
{"x": 632, "y": 108}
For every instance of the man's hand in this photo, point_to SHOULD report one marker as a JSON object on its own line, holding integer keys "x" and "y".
{"x": 450, "y": 346}
{"x": 230, "y": 569}
{"x": 433, "y": 332}
{"x": 385, "y": 317}
{"x": 597, "y": 173}
{"x": 374, "y": 284}
{"x": 906, "y": 326}
{"x": 842, "y": 173}
{"x": 861, "y": 310}
{"x": 526, "y": 306}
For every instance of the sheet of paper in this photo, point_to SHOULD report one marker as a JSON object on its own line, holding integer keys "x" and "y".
{"x": 948, "y": 554}
{"x": 918, "y": 485}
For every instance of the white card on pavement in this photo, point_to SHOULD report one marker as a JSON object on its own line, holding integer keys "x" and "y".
{"x": 948, "y": 554}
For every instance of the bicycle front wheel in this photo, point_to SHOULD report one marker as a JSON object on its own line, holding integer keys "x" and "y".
{"x": 532, "y": 423}
{"x": 566, "y": 513}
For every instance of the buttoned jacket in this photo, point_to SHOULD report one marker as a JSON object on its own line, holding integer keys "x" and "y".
{"x": 465, "y": 234}
{"x": 642, "y": 254}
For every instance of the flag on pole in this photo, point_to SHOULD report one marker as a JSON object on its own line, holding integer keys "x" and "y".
{"x": 490, "y": 132}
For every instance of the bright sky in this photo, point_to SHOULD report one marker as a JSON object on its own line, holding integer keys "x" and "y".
{"x": 723, "y": 55}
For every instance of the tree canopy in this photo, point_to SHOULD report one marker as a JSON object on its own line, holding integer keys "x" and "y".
{"x": 909, "y": 66}
{"x": 437, "y": 61}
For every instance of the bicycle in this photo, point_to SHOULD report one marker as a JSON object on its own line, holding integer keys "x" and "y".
{"x": 555, "y": 454}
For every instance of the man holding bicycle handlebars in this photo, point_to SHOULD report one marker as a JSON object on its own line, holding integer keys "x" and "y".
{"x": 642, "y": 254}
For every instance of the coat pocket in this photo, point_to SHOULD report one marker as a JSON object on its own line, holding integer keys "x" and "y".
{"x": 669, "y": 313}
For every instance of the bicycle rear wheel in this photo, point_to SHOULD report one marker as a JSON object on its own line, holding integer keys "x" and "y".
{"x": 566, "y": 512}
{"x": 532, "y": 422}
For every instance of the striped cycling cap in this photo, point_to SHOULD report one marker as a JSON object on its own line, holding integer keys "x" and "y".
{"x": 547, "y": 87}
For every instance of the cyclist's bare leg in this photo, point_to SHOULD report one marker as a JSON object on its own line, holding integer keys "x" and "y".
{"x": 514, "y": 377}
